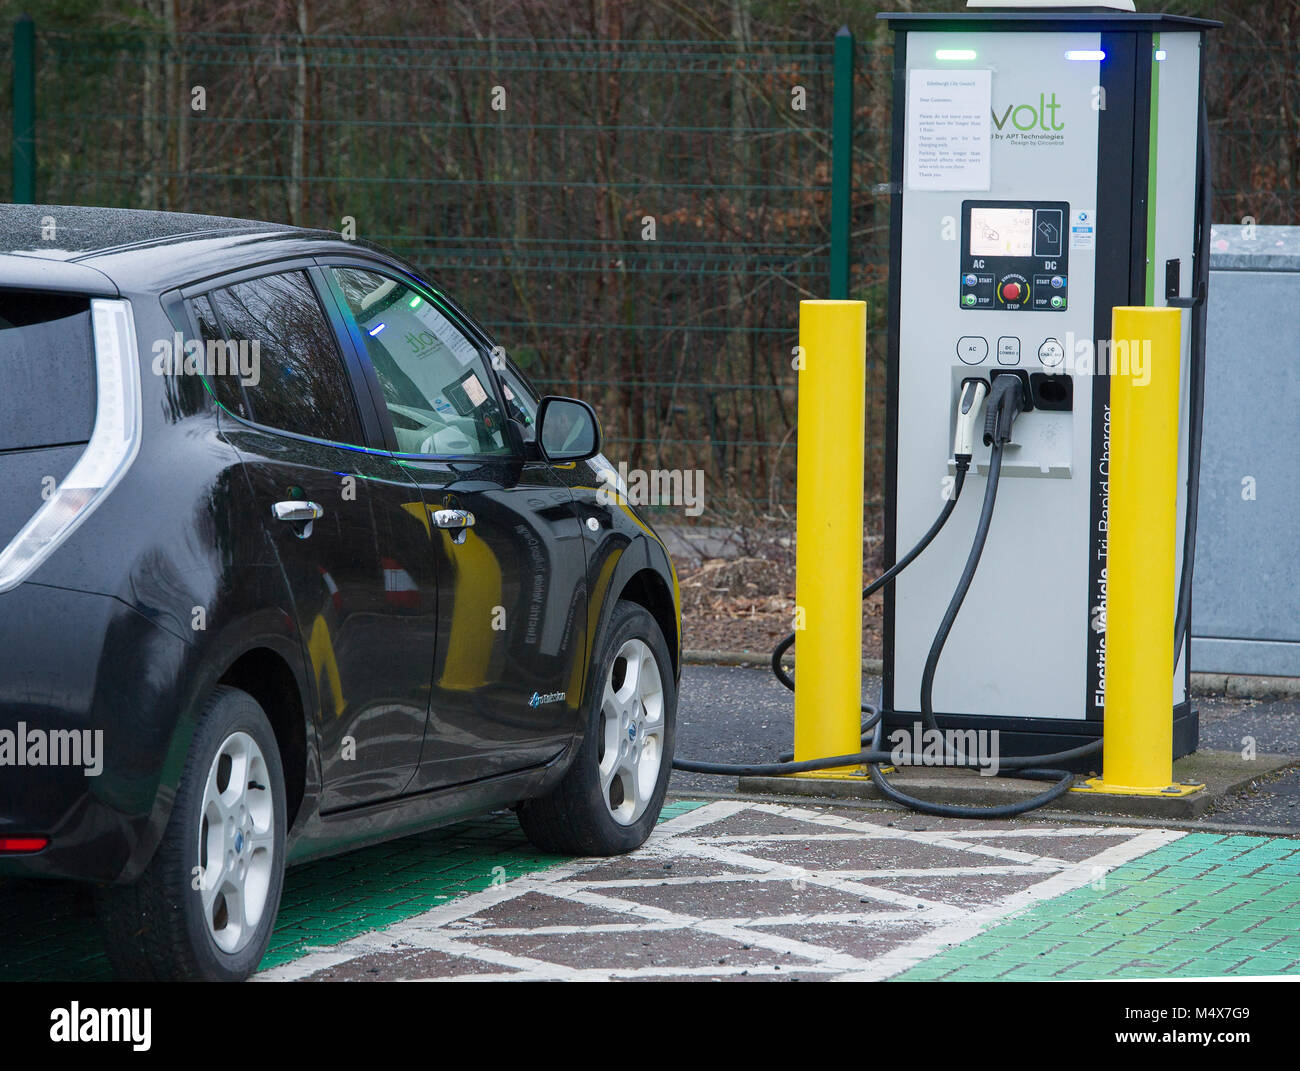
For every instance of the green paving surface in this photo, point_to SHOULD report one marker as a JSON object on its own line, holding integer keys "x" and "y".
{"x": 1202, "y": 905}
{"x": 49, "y": 928}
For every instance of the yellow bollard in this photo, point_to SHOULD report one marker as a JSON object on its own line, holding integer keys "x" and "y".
{"x": 828, "y": 569}
{"x": 1141, "y": 537}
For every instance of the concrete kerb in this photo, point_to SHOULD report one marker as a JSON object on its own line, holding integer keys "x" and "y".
{"x": 1222, "y": 772}
{"x": 1226, "y": 684}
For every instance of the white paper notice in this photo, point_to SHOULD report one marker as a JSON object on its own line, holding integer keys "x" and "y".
{"x": 948, "y": 129}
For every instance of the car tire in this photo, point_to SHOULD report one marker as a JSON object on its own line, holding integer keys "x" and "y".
{"x": 187, "y": 917}
{"x": 611, "y": 795}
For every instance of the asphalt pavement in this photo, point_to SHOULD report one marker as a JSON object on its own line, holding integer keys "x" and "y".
{"x": 738, "y": 714}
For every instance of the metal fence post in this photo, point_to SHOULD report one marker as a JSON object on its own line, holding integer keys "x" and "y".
{"x": 841, "y": 162}
{"x": 24, "y": 151}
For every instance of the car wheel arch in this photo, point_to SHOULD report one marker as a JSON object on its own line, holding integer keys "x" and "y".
{"x": 647, "y": 589}
{"x": 266, "y": 675}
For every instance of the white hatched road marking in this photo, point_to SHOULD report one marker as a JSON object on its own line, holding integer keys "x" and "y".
{"x": 785, "y": 875}
{"x": 456, "y": 929}
{"x": 604, "y": 974}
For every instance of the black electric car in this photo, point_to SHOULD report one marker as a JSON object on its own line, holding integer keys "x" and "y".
{"x": 292, "y": 560}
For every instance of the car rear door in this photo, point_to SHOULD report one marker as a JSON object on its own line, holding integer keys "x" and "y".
{"x": 349, "y": 526}
{"x": 511, "y": 562}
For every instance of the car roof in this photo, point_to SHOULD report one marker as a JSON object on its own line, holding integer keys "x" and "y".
{"x": 71, "y": 232}
{"x": 143, "y": 250}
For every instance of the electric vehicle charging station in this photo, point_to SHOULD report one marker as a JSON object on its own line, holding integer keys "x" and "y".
{"x": 1049, "y": 232}
{"x": 1047, "y": 167}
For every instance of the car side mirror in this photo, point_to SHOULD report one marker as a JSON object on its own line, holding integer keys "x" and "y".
{"x": 567, "y": 430}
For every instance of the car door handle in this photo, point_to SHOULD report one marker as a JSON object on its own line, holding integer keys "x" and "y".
{"x": 297, "y": 511}
{"x": 458, "y": 520}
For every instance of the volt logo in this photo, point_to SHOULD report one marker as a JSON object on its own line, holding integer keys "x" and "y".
{"x": 1031, "y": 117}
{"x": 550, "y": 697}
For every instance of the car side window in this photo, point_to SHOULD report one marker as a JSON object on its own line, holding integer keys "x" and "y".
{"x": 436, "y": 384}
{"x": 221, "y": 376}
{"x": 296, "y": 380}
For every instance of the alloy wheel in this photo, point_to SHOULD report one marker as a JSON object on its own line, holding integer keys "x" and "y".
{"x": 236, "y": 843}
{"x": 631, "y": 732}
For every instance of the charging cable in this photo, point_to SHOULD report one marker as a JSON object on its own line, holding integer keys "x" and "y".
{"x": 1006, "y": 402}
{"x": 973, "y": 392}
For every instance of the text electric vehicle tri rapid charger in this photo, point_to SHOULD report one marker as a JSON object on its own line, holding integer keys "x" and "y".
{"x": 293, "y": 560}
{"x": 1049, "y": 165}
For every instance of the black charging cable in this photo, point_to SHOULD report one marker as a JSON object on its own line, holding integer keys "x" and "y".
{"x": 1196, "y": 386}
{"x": 1005, "y": 404}
{"x": 784, "y": 765}
{"x": 973, "y": 391}
{"x": 873, "y": 715}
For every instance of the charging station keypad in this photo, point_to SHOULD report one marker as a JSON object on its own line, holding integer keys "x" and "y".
{"x": 1014, "y": 255}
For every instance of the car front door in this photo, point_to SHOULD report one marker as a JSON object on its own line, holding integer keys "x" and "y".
{"x": 348, "y": 524}
{"x": 511, "y": 563}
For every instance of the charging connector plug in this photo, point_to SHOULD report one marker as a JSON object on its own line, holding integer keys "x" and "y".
{"x": 973, "y": 393}
{"x": 1006, "y": 402}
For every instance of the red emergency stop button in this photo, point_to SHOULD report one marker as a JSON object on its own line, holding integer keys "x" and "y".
{"x": 1012, "y": 291}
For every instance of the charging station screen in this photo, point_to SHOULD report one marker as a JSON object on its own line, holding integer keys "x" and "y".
{"x": 1001, "y": 232}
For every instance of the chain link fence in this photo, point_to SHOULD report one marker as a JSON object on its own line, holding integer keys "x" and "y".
{"x": 635, "y": 220}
